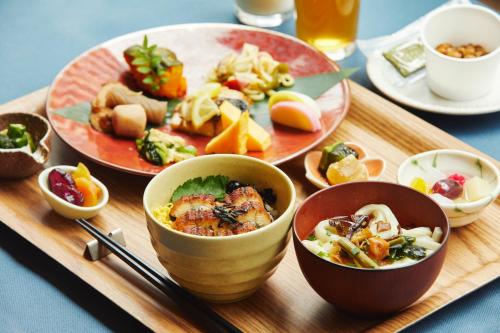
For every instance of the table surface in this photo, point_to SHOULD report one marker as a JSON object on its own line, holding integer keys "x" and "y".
{"x": 38, "y": 39}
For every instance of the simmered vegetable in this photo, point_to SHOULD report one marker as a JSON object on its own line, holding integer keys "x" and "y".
{"x": 156, "y": 70}
{"x": 16, "y": 136}
{"x": 334, "y": 153}
{"x": 371, "y": 238}
{"x": 160, "y": 148}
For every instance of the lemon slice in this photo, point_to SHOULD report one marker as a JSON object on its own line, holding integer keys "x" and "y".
{"x": 210, "y": 88}
{"x": 283, "y": 95}
{"x": 203, "y": 109}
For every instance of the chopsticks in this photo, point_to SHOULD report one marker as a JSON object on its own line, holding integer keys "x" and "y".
{"x": 194, "y": 306}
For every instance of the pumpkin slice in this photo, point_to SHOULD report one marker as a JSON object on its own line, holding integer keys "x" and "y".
{"x": 232, "y": 140}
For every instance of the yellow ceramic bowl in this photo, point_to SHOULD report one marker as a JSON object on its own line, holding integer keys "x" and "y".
{"x": 222, "y": 268}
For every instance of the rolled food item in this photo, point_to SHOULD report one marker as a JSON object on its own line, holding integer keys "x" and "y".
{"x": 115, "y": 93}
{"x": 129, "y": 120}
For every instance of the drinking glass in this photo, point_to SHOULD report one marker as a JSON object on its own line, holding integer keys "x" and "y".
{"x": 264, "y": 13}
{"x": 329, "y": 25}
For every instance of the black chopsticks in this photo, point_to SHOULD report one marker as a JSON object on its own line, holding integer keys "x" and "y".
{"x": 193, "y": 305}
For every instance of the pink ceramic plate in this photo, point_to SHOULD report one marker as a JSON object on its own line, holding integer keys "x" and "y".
{"x": 199, "y": 47}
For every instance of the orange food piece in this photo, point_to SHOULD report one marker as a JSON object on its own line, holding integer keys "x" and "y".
{"x": 81, "y": 171}
{"x": 174, "y": 87}
{"x": 233, "y": 140}
{"x": 91, "y": 192}
{"x": 378, "y": 248}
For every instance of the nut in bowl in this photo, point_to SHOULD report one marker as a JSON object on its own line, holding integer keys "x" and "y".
{"x": 454, "y": 72}
{"x": 72, "y": 192}
{"x": 462, "y": 183}
{"x": 24, "y": 144}
{"x": 364, "y": 266}
{"x": 340, "y": 163}
{"x": 214, "y": 225}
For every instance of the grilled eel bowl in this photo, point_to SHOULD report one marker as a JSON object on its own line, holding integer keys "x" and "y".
{"x": 221, "y": 268}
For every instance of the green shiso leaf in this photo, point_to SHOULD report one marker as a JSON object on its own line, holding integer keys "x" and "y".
{"x": 215, "y": 185}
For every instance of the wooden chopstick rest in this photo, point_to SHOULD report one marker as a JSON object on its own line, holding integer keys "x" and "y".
{"x": 95, "y": 251}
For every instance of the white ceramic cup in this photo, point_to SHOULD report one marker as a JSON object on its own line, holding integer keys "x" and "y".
{"x": 461, "y": 78}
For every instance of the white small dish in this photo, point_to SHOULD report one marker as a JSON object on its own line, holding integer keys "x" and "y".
{"x": 448, "y": 161}
{"x": 65, "y": 208}
{"x": 461, "y": 79}
{"x": 375, "y": 166}
{"x": 416, "y": 93}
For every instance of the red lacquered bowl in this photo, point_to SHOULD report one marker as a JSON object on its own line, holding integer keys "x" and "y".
{"x": 360, "y": 291}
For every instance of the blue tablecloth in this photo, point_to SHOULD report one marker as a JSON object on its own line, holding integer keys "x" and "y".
{"x": 38, "y": 38}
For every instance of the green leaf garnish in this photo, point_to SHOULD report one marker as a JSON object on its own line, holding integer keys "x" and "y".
{"x": 215, "y": 185}
{"x": 143, "y": 69}
{"x": 311, "y": 237}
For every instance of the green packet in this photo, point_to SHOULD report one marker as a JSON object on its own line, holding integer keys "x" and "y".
{"x": 407, "y": 58}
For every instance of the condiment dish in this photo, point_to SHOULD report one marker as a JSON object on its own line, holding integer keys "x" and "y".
{"x": 363, "y": 291}
{"x": 18, "y": 163}
{"x": 461, "y": 79}
{"x": 451, "y": 160}
{"x": 65, "y": 208}
{"x": 221, "y": 268}
{"x": 375, "y": 166}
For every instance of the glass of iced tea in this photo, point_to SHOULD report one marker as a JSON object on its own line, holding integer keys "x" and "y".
{"x": 328, "y": 25}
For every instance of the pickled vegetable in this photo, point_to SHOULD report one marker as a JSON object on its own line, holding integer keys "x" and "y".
{"x": 476, "y": 188}
{"x": 16, "y": 136}
{"x": 62, "y": 184}
{"x": 448, "y": 188}
{"x": 348, "y": 169}
{"x": 419, "y": 184}
{"x": 91, "y": 192}
{"x": 334, "y": 153}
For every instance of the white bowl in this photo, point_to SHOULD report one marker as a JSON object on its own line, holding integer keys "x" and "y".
{"x": 451, "y": 160}
{"x": 459, "y": 78}
{"x": 65, "y": 208}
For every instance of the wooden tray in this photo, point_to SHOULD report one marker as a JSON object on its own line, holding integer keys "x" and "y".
{"x": 285, "y": 302}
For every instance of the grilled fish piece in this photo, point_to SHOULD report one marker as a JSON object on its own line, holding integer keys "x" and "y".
{"x": 242, "y": 195}
{"x": 192, "y": 202}
{"x": 197, "y": 217}
{"x": 255, "y": 215}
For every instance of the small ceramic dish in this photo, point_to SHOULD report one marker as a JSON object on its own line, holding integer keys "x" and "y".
{"x": 18, "y": 163}
{"x": 65, "y": 208}
{"x": 375, "y": 166}
{"x": 221, "y": 268}
{"x": 369, "y": 292}
{"x": 451, "y": 161}
{"x": 461, "y": 79}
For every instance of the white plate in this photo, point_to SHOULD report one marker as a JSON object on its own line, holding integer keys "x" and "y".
{"x": 417, "y": 95}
